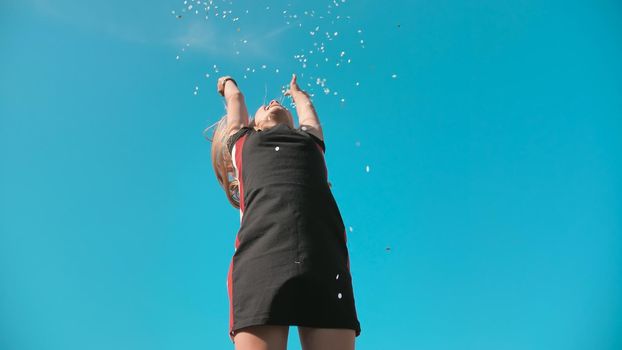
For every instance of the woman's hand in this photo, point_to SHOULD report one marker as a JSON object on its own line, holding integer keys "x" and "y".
{"x": 294, "y": 89}
{"x": 222, "y": 81}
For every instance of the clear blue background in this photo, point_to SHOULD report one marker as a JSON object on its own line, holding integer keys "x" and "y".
{"x": 494, "y": 171}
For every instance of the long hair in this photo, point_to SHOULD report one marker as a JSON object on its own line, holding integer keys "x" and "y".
{"x": 222, "y": 162}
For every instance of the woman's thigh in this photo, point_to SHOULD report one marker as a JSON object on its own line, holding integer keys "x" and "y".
{"x": 326, "y": 338}
{"x": 264, "y": 337}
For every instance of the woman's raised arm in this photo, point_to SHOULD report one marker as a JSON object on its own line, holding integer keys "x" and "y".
{"x": 307, "y": 116}
{"x": 237, "y": 113}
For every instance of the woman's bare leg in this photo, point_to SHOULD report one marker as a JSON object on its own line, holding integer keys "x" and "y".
{"x": 265, "y": 337}
{"x": 326, "y": 338}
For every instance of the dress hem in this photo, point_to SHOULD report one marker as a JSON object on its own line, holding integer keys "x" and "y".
{"x": 267, "y": 321}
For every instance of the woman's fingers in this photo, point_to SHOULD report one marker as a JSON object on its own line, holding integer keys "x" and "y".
{"x": 293, "y": 85}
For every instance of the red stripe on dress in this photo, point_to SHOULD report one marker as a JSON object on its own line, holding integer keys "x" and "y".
{"x": 230, "y": 292}
{"x": 239, "y": 147}
{"x": 345, "y": 237}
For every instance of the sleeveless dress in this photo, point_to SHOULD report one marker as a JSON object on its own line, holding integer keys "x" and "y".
{"x": 291, "y": 264}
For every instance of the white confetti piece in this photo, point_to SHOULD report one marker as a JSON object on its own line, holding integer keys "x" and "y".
{"x": 339, "y": 295}
{"x": 337, "y": 277}
{"x": 394, "y": 76}
{"x": 276, "y": 148}
{"x": 367, "y": 168}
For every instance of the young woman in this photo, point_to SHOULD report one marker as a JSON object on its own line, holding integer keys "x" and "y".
{"x": 291, "y": 264}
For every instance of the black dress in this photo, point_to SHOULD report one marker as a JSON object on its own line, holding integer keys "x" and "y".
{"x": 291, "y": 264}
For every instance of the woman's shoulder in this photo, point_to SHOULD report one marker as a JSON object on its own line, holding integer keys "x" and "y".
{"x": 236, "y": 134}
{"x": 315, "y": 134}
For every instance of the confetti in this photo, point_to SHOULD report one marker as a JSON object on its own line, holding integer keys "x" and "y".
{"x": 367, "y": 168}
{"x": 320, "y": 38}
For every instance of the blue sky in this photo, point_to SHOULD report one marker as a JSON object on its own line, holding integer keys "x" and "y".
{"x": 494, "y": 169}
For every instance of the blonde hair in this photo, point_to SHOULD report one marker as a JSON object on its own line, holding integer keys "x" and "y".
{"x": 222, "y": 162}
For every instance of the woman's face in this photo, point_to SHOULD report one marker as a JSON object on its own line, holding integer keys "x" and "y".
{"x": 273, "y": 112}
